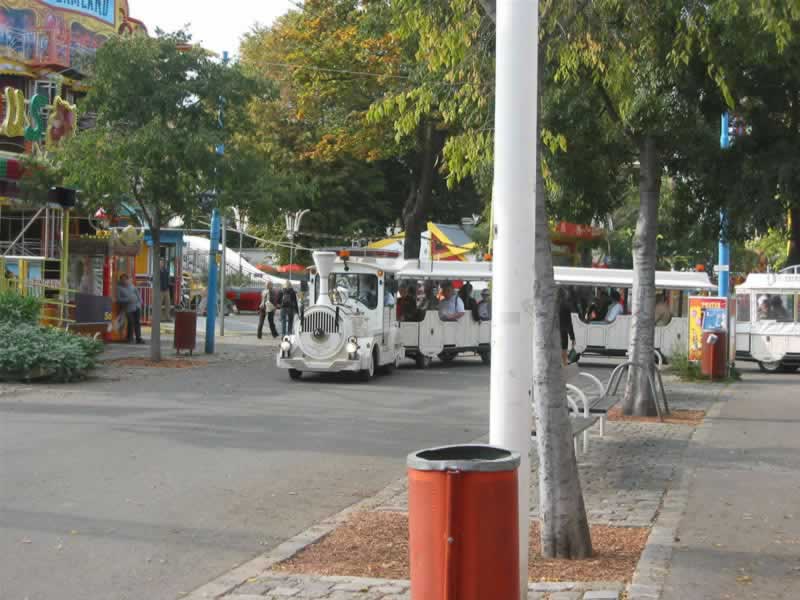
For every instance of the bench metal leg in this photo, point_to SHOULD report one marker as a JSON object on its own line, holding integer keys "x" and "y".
{"x": 602, "y": 425}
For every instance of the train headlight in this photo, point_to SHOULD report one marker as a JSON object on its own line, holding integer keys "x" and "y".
{"x": 352, "y": 348}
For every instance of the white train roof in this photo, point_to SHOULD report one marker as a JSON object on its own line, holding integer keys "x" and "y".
{"x": 673, "y": 280}
{"x": 770, "y": 283}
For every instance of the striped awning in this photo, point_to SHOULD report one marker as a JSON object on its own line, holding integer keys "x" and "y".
{"x": 10, "y": 168}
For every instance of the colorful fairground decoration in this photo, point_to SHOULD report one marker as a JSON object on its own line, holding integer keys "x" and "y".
{"x": 25, "y": 118}
{"x": 58, "y": 35}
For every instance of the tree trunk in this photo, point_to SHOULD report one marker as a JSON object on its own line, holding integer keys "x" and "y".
{"x": 418, "y": 204}
{"x": 155, "y": 336}
{"x": 564, "y": 526}
{"x": 639, "y": 399}
{"x": 794, "y": 237}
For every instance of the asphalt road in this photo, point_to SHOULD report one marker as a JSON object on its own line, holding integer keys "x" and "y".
{"x": 148, "y": 484}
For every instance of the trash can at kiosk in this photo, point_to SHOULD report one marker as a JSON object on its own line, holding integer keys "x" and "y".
{"x": 185, "y": 336}
{"x": 462, "y": 521}
{"x": 715, "y": 353}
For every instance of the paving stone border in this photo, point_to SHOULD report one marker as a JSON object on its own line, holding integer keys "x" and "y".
{"x": 254, "y": 580}
{"x": 651, "y": 572}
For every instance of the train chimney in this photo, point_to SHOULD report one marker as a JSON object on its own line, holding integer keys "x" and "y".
{"x": 324, "y": 262}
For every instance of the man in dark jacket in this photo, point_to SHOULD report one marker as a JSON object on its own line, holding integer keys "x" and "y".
{"x": 288, "y": 305}
{"x": 163, "y": 281}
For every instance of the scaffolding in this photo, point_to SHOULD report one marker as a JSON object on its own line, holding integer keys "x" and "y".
{"x": 26, "y": 260}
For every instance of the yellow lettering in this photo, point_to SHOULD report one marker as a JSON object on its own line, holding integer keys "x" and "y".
{"x": 14, "y": 119}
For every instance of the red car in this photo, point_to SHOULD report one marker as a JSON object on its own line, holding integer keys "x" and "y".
{"x": 245, "y": 298}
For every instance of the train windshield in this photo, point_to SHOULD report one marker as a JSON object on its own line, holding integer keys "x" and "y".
{"x": 360, "y": 287}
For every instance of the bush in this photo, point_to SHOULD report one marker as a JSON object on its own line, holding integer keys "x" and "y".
{"x": 15, "y": 308}
{"x": 28, "y": 351}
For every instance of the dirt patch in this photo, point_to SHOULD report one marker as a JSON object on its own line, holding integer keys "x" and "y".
{"x": 166, "y": 363}
{"x": 676, "y": 417}
{"x": 375, "y": 544}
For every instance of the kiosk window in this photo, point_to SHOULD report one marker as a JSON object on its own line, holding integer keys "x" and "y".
{"x": 743, "y": 308}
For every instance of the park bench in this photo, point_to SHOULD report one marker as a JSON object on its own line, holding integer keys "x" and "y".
{"x": 581, "y": 418}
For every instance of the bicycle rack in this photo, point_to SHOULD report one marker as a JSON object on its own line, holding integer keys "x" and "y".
{"x": 616, "y": 378}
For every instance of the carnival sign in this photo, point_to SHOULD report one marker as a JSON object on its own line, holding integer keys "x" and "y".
{"x": 18, "y": 120}
{"x": 104, "y": 10}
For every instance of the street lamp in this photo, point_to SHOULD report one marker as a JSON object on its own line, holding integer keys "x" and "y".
{"x": 292, "y": 227}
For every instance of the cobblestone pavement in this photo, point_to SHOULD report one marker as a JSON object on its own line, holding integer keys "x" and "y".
{"x": 277, "y": 586}
{"x": 624, "y": 475}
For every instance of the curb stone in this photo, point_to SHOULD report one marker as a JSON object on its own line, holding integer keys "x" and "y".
{"x": 259, "y": 565}
{"x": 651, "y": 572}
{"x": 647, "y": 583}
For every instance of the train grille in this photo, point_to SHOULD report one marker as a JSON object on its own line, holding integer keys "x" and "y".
{"x": 320, "y": 321}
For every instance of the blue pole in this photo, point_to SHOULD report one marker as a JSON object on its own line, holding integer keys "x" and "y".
{"x": 724, "y": 248}
{"x": 211, "y": 299}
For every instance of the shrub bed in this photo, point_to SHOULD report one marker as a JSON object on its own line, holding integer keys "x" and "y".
{"x": 30, "y": 352}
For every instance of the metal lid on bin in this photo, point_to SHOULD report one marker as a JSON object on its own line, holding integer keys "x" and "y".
{"x": 464, "y": 457}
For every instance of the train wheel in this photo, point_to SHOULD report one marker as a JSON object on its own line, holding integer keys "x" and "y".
{"x": 295, "y": 374}
{"x": 486, "y": 357}
{"x": 423, "y": 362}
{"x": 446, "y": 357}
{"x": 770, "y": 366}
{"x": 368, "y": 373}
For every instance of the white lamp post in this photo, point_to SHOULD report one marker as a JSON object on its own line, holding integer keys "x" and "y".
{"x": 292, "y": 227}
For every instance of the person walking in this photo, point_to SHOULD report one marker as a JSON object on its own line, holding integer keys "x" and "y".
{"x": 129, "y": 300}
{"x": 289, "y": 308}
{"x": 163, "y": 280}
{"x": 565, "y": 324}
{"x": 267, "y": 309}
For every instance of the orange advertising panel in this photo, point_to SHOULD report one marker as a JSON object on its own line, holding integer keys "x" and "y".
{"x": 698, "y": 305}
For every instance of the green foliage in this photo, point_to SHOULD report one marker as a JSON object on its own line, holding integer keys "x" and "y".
{"x": 28, "y": 352}
{"x": 16, "y": 309}
{"x": 157, "y": 101}
{"x": 772, "y": 246}
{"x": 687, "y": 370}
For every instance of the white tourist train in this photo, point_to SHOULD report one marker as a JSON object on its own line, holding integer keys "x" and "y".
{"x": 352, "y": 323}
{"x": 768, "y": 320}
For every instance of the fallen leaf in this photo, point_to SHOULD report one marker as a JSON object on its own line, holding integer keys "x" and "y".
{"x": 744, "y": 579}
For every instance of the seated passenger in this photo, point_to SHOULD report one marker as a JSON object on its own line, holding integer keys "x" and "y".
{"x": 599, "y": 307}
{"x": 777, "y": 311}
{"x": 615, "y": 309}
{"x": 451, "y": 308}
{"x": 429, "y": 300}
{"x": 484, "y": 307}
{"x": 663, "y": 312}
{"x": 407, "y": 305}
{"x": 465, "y": 293}
{"x": 763, "y": 308}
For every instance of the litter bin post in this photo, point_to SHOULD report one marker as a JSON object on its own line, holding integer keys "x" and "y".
{"x": 463, "y": 526}
{"x": 715, "y": 356}
{"x": 185, "y": 336}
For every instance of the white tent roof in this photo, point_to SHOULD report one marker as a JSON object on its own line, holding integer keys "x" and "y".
{"x": 771, "y": 283}
{"x": 203, "y": 245}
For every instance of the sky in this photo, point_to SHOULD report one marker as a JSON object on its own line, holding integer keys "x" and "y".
{"x": 216, "y": 25}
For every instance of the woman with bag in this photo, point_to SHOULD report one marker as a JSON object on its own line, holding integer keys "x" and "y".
{"x": 267, "y": 309}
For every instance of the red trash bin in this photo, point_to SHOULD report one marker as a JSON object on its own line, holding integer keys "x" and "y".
{"x": 715, "y": 354}
{"x": 185, "y": 336}
{"x": 462, "y": 520}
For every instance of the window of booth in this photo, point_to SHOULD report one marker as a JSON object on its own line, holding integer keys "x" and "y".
{"x": 743, "y": 308}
